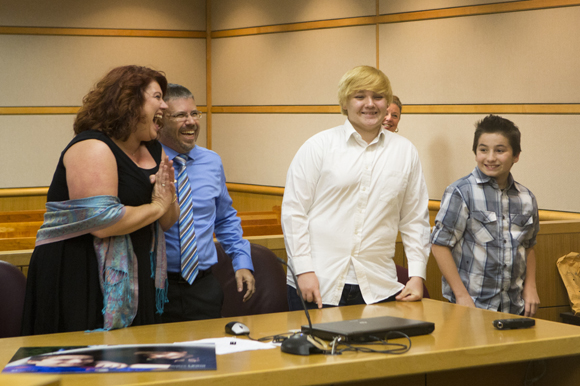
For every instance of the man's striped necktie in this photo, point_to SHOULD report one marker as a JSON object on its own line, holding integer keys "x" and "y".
{"x": 188, "y": 241}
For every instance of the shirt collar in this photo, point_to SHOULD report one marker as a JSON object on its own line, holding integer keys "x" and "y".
{"x": 482, "y": 178}
{"x": 172, "y": 153}
{"x": 349, "y": 131}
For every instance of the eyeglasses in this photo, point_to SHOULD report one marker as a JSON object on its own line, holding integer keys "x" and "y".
{"x": 182, "y": 116}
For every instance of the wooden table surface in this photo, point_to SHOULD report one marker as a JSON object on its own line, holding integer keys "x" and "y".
{"x": 463, "y": 338}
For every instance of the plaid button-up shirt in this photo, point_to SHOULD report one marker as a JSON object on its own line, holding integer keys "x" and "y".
{"x": 488, "y": 231}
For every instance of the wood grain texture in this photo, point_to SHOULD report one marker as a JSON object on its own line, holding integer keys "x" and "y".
{"x": 29, "y": 380}
{"x": 17, "y": 243}
{"x": 463, "y": 338}
{"x": 101, "y": 32}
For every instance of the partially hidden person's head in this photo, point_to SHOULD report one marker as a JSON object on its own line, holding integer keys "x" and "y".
{"x": 496, "y": 145}
{"x": 180, "y": 128}
{"x": 64, "y": 360}
{"x": 391, "y": 121}
{"x": 126, "y": 100}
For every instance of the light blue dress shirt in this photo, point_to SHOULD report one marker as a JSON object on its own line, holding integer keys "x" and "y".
{"x": 212, "y": 212}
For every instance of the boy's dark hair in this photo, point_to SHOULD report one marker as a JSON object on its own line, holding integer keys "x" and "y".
{"x": 496, "y": 124}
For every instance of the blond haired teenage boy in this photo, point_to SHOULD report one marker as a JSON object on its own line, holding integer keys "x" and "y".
{"x": 349, "y": 190}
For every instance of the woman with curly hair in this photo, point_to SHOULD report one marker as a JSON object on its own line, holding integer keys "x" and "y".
{"x": 99, "y": 261}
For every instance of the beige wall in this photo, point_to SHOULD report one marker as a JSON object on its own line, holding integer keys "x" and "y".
{"x": 55, "y": 71}
{"x": 523, "y": 58}
{"x": 450, "y": 54}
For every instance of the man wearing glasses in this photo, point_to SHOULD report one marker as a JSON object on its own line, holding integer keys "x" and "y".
{"x": 206, "y": 207}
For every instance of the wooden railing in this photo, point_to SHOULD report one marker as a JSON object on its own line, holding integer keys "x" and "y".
{"x": 18, "y": 228}
{"x": 555, "y": 239}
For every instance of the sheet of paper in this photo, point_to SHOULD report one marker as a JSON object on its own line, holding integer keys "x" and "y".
{"x": 233, "y": 344}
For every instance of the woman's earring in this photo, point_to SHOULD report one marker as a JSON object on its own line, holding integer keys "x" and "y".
{"x": 397, "y": 130}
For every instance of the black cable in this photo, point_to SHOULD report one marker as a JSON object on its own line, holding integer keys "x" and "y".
{"x": 278, "y": 338}
{"x": 399, "y": 348}
{"x": 299, "y": 293}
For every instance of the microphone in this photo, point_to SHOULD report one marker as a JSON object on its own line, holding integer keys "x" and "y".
{"x": 300, "y": 343}
{"x": 299, "y": 293}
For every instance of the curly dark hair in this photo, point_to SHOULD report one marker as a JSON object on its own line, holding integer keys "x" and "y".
{"x": 114, "y": 105}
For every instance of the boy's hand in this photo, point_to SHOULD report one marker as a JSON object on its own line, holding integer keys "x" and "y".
{"x": 465, "y": 301}
{"x": 413, "y": 291}
{"x": 531, "y": 300}
{"x": 310, "y": 288}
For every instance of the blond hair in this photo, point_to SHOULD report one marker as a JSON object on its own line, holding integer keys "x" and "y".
{"x": 363, "y": 78}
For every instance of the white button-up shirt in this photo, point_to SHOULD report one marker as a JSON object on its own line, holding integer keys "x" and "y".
{"x": 344, "y": 202}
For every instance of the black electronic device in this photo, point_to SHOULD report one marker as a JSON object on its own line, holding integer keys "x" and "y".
{"x": 370, "y": 329}
{"x": 237, "y": 328}
{"x": 513, "y": 324}
{"x": 301, "y": 344}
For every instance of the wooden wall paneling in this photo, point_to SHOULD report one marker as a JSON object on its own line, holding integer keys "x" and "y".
{"x": 406, "y": 6}
{"x": 106, "y": 14}
{"x": 433, "y": 282}
{"x": 58, "y": 80}
{"x": 208, "y": 86}
{"x": 100, "y": 32}
{"x": 412, "y": 11}
{"x": 30, "y": 146}
{"x": 236, "y": 15}
{"x": 270, "y": 142}
{"x": 550, "y": 247}
{"x": 491, "y": 61}
{"x": 444, "y": 143}
{"x": 552, "y": 313}
{"x": 9, "y": 203}
{"x": 558, "y": 371}
{"x": 275, "y": 243}
{"x": 416, "y": 14}
{"x": 250, "y": 202}
{"x": 299, "y": 68}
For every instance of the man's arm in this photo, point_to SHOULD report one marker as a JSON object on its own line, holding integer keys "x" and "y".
{"x": 530, "y": 293}
{"x": 228, "y": 231}
{"x": 449, "y": 270}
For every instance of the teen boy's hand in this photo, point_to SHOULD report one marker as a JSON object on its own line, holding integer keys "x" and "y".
{"x": 413, "y": 291}
{"x": 465, "y": 300}
{"x": 310, "y": 288}
{"x": 531, "y": 300}
{"x": 530, "y": 293}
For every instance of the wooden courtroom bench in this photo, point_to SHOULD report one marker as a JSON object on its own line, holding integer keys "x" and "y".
{"x": 18, "y": 228}
{"x": 261, "y": 223}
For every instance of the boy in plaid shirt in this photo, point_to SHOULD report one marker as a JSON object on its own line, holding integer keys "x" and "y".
{"x": 485, "y": 231}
